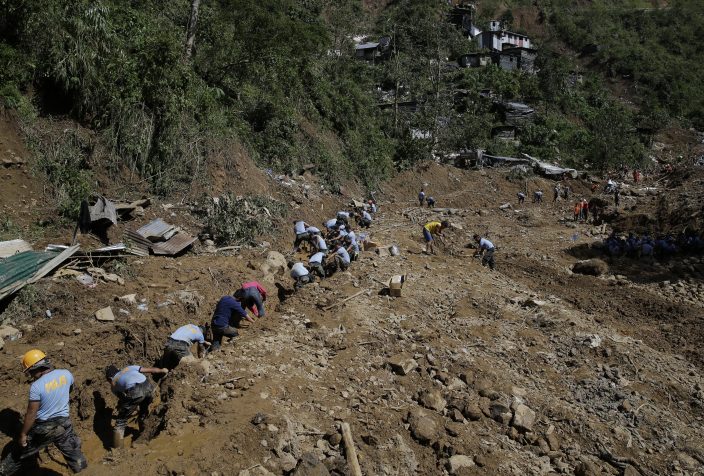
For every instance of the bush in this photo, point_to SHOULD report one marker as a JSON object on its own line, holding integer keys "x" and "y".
{"x": 234, "y": 220}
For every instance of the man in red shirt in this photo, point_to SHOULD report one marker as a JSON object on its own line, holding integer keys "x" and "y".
{"x": 252, "y": 296}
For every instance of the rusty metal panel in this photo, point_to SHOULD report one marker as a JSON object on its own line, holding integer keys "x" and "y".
{"x": 136, "y": 243}
{"x": 29, "y": 267}
{"x": 175, "y": 245}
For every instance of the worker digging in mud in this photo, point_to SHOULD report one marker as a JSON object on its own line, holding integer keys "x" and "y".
{"x": 180, "y": 342}
{"x": 434, "y": 228}
{"x": 365, "y": 219}
{"x": 302, "y": 234}
{"x": 538, "y": 196}
{"x": 431, "y": 202}
{"x": 341, "y": 258}
{"x": 372, "y": 206}
{"x": 227, "y": 316}
{"x": 134, "y": 394}
{"x": 485, "y": 250}
{"x": 343, "y": 218}
{"x": 421, "y": 197}
{"x": 47, "y": 419}
{"x": 316, "y": 264}
{"x": 352, "y": 245}
{"x": 300, "y": 274}
{"x": 556, "y": 193}
{"x": 521, "y": 198}
{"x": 318, "y": 243}
{"x": 252, "y": 296}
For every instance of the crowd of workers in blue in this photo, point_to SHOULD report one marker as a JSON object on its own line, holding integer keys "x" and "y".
{"x": 660, "y": 246}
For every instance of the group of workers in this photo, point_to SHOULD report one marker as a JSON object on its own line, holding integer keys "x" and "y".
{"x": 424, "y": 199}
{"x": 333, "y": 248}
{"x": 646, "y": 246}
{"x": 47, "y": 420}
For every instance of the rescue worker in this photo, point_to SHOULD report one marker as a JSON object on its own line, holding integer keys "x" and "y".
{"x": 421, "y": 197}
{"x": 434, "y": 228}
{"x": 319, "y": 243}
{"x": 47, "y": 418}
{"x": 365, "y": 219}
{"x": 316, "y": 263}
{"x": 352, "y": 245}
{"x": 431, "y": 202}
{"x": 343, "y": 218}
{"x": 227, "y": 316}
{"x": 302, "y": 234}
{"x": 556, "y": 193}
{"x": 538, "y": 196}
{"x": 521, "y": 198}
{"x": 372, "y": 206}
{"x": 134, "y": 395}
{"x": 341, "y": 258}
{"x": 300, "y": 274}
{"x": 252, "y": 296}
{"x": 486, "y": 251}
{"x": 179, "y": 345}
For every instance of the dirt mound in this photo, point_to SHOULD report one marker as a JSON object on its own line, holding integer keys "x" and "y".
{"x": 592, "y": 267}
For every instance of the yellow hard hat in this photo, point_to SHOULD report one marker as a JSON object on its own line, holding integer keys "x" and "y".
{"x": 31, "y": 358}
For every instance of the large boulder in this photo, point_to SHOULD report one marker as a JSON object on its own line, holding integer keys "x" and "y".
{"x": 591, "y": 267}
{"x": 275, "y": 263}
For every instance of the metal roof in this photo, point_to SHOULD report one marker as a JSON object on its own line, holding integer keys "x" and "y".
{"x": 157, "y": 228}
{"x": 175, "y": 245}
{"x": 9, "y": 248}
{"x": 28, "y": 267}
{"x": 366, "y": 46}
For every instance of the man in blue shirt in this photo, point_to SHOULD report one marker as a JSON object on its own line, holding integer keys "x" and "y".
{"x": 421, "y": 197}
{"x": 179, "y": 345}
{"x": 228, "y": 314}
{"x": 47, "y": 419}
{"x": 486, "y": 251}
{"x": 134, "y": 394}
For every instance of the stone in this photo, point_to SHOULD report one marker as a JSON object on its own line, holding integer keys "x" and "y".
{"x": 456, "y": 415}
{"x": 500, "y": 413}
{"x": 630, "y": 471}
{"x": 334, "y": 439}
{"x": 626, "y": 406}
{"x": 592, "y": 267}
{"x": 453, "y": 429}
{"x": 586, "y": 469}
{"x": 105, "y": 314}
{"x": 433, "y": 400}
{"x": 553, "y": 441}
{"x": 402, "y": 364}
{"x": 77, "y": 331}
{"x": 472, "y": 412}
{"x": 456, "y": 384}
{"x": 458, "y": 462}
{"x": 310, "y": 465}
{"x": 286, "y": 461}
{"x": 129, "y": 299}
{"x": 9, "y": 333}
{"x": 2, "y": 344}
{"x": 275, "y": 263}
{"x": 256, "y": 471}
{"x": 481, "y": 460}
{"x": 423, "y": 428}
{"x": 523, "y": 418}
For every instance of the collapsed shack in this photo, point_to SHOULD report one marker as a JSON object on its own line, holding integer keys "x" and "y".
{"x": 28, "y": 267}
{"x": 98, "y": 214}
{"x": 515, "y": 113}
{"x": 478, "y": 158}
{"x": 159, "y": 237}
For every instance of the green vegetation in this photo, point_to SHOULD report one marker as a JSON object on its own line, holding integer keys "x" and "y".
{"x": 280, "y": 77}
{"x": 236, "y": 220}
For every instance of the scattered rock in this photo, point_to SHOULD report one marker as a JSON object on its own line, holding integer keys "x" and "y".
{"x": 523, "y": 418}
{"x": 2, "y": 344}
{"x": 9, "y": 333}
{"x": 309, "y": 465}
{"x": 423, "y": 428}
{"x": 105, "y": 314}
{"x": 432, "y": 399}
{"x": 256, "y": 471}
{"x": 500, "y": 413}
{"x": 472, "y": 412}
{"x": 402, "y": 364}
{"x": 592, "y": 267}
{"x": 458, "y": 462}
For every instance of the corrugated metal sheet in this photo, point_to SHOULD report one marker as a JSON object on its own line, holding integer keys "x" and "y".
{"x": 9, "y": 248}
{"x": 137, "y": 244}
{"x": 155, "y": 229}
{"x": 28, "y": 267}
{"x": 179, "y": 242}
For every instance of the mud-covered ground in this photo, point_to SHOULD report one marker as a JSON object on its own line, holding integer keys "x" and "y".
{"x": 530, "y": 369}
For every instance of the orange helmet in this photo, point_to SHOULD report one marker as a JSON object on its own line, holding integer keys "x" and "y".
{"x": 31, "y": 358}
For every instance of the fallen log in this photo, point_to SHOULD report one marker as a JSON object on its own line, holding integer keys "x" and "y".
{"x": 350, "y": 451}
{"x": 342, "y": 302}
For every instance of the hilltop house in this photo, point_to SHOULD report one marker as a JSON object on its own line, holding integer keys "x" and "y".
{"x": 516, "y": 58}
{"x": 374, "y": 50}
{"x": 496, "y": 38}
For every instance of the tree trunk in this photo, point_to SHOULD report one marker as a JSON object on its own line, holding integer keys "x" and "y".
{"x": 191, "y": 29}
